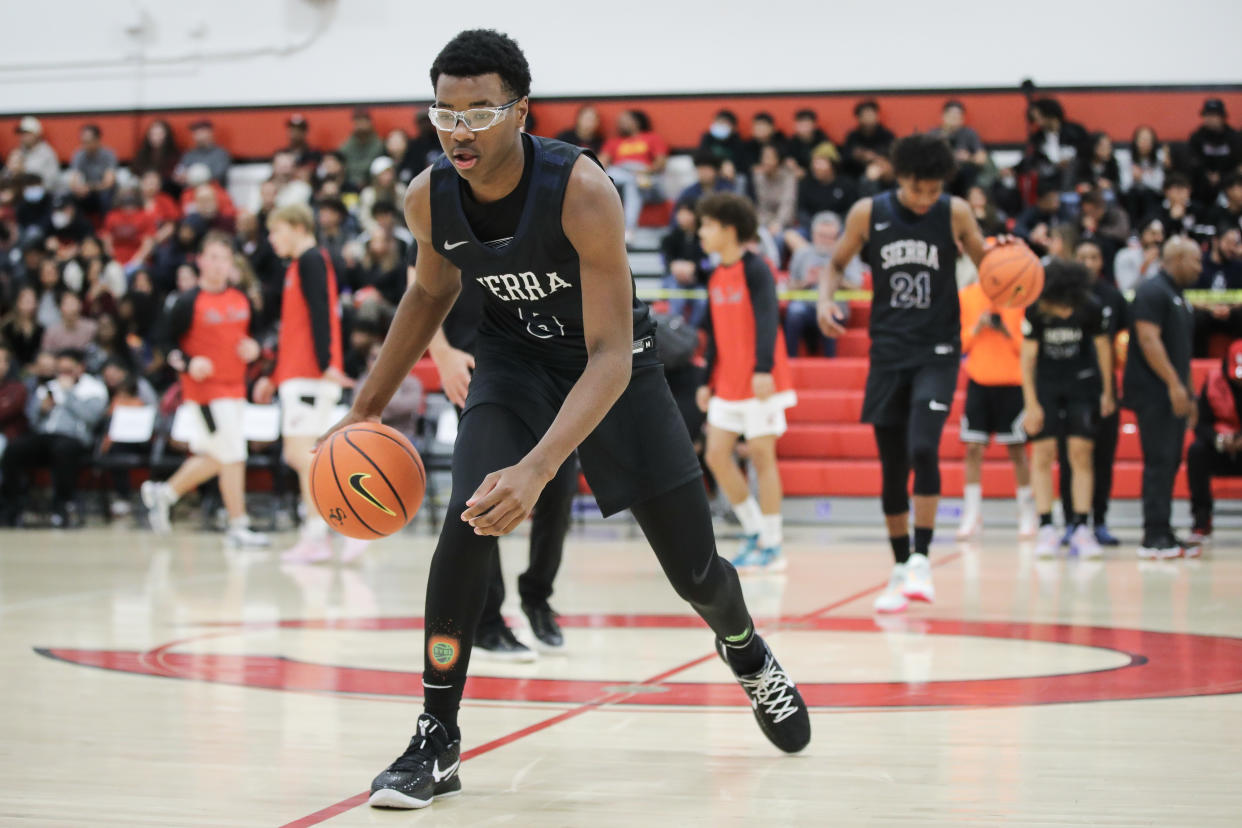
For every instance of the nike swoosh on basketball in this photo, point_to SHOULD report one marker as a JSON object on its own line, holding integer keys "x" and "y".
{"x": 448, "y": 246}
{"x": 355, "y": 483}
{"x": 883, "y": 225}
{"x": 440, "y": 775}
{"x": 937, "y": 406}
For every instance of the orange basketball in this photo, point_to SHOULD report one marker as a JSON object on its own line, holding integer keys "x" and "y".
{"x": 367, "y": 481}
{"x": 1011, "y": 276}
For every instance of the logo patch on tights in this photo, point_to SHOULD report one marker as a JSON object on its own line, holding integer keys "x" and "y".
{"x": 443, "y": 651}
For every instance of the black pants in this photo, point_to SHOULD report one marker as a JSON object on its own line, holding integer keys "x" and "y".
{"x": 548, "y": 527}
{"x": 1203, "y": 462}
{"x": 1161, "y": 435}
{"x": 677, "y": 524}
{"x": 1104, "y": 452}
{"x": 62, "y": 455}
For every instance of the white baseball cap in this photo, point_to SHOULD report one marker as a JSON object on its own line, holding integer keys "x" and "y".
{"x": 381, "y": 164}
{"x": 30, "y": 124}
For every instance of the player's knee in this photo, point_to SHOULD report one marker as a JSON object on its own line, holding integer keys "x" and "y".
{"x": 974, "y": 452}
{"x": 718, "y": 454}
{"x": 1080, "y": 454}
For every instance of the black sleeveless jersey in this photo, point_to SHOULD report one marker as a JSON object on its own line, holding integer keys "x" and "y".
{"x": 531, "y": 283}
{"x": 915, "y": 315}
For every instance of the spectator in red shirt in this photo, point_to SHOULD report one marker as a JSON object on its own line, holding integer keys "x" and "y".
{"x": 129, "y": 231}
{"x": 633, "y": 160}
{"x": 197, "y": 176}
{"x": 156, "y": 203}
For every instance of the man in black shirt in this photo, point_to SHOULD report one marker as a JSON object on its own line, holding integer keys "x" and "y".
{"x": 1114, "y": 318}
{"x": 807, "y": 136}
{"x": 823, "y": 190}
{"x": 1215, "y": 149}
{"x": 868, "y": 142}
{"x": 1157, "y": 387}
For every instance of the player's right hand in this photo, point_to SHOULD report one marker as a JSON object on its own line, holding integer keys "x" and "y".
{"x": 702, "y": 397}
{"x": 455, "y": 367}
{"x": 1179, "y": 400}
{"x": 1033, "y": 419}
{"x": 830, "y": 319}
{"x": 200, "y": 368}
{"x": 264, "y": 391}
{"x": 351, "y": 417}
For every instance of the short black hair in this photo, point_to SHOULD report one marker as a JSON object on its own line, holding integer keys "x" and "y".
{"x": 1093, "y": 241}
{"x": 763, "y": 116}
{"x": 1047, "y": 184}
{"x": 953, "y": 103}
{"x": 867, "y": 104}
{"x": 1232, "y": 179}
{"x": 731, "y": 210}
{"x": 924, "y": 157}
{"x": 706, "y": 158}
{"x": 1095, "y": 198}
{"x": 1176, "y": 179}
{"x": 76, "y": 354}
{"x": 728, "y": 115}
{"x": 93, "y": 129}
{"x": 383, "y": 207}
{"x": 1049, "y": 108}
{"x": 808, "y": 114}
{"x": 1066, "y": 283}
{"x": 477, "y": 52}
{"x": 641, "y": 118}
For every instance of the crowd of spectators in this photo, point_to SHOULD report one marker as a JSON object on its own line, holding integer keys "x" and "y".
{"x": 91, "y": 252}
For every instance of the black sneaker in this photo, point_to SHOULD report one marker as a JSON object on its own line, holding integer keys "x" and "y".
{"x": 499, "y": 644}
{"x": 544, "y": 627}
{"x": 425, "y": 772}
{"x": 1159, "y": 548}
{"x": 779, "y": 708}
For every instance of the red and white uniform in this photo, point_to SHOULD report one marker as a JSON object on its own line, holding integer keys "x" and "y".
{"x": 310, "y": 343}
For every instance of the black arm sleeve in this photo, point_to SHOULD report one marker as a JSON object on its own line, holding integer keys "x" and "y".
{"x": 1205, "y": 429}
{"x": 709, "y": 352}
{"x": 313, "y": 274}
{"x": 175, "y": 321}
{"x": 762, "y": 288}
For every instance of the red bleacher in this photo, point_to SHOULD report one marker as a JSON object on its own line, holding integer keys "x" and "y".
{"x": 827, "y": 452}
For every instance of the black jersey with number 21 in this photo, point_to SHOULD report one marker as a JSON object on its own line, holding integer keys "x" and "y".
{"x": 915, "y": 316}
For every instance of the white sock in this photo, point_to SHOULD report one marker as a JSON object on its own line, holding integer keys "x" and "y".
{"x": 972, "y": 494}
{"x": 314, "y": 528}
{"x": 770, "y": 531}
{"x": 1025, "y": 496}
{"x": 169, "y": 494}
{"x": 748, "y": 513}
{"x": 242, "y": 522}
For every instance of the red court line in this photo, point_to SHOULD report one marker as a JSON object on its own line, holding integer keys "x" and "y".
{"x": 358, "y": 799}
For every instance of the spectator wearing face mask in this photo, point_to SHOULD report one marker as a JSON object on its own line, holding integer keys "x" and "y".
{"x": 63, "y": 413}
{"x": 722, "y": 140}
{"x": 33, "y": 155}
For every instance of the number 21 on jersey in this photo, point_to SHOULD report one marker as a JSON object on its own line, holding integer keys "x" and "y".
{"x": 910, "y": 291}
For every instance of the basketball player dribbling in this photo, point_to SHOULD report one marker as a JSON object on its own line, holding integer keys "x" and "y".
{"x": 912, "y": 235}
{"x": 565, "y": 359}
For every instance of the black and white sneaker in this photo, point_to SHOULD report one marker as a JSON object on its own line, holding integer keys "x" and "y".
{"x": 425, "y": 772}
{"x": 500, "y": 644}
{"x": 544, "y": 627}
{"x": 779, "y": 708}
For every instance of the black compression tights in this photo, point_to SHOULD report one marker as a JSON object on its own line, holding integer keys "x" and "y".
{"x": 677, "y": 525}
{"x": 916, "y": 446}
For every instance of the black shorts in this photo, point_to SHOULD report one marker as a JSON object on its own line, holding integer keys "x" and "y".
{"x": 1067, "y": 415}
{"x": 639, "y": 450}
{"x": 893, "y": 393}
{"x": 993, "y": 409}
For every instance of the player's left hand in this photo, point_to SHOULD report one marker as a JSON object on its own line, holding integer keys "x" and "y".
{"x": 503, "y": 500}
{"x": 763, "y": 385}
{"x": 248, "y": 350}
{"x": 703, "y": 397}
{"x": 1107, "y": 405}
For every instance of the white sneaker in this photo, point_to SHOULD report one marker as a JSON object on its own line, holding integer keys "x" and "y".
{"x": 918, "y": 586}
{"x": 240, "y": 537}
{"x": 1028, "y": 521}
{"x": 892, "y": 599}
{"x": 352, "y": 549}
{"x": 158, "y": 500}
{"x": 308, "y": 550}
{"x": 1083, "y": 543}
{"x": 1161, "y": 550}
{"x": 120, "y": 508}
{"x": 1047, "y": 542}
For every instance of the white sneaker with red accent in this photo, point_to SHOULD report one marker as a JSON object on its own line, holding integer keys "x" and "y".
{"x": 892, "y": 599}
{"x": 918, "y": 586}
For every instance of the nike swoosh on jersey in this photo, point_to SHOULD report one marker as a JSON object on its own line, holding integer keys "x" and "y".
{"x": 448, "y": 246}
{"x": 884, "y": 225}
{"x": 355, "y": 483}
{"x": 440, "y": 775}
